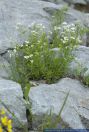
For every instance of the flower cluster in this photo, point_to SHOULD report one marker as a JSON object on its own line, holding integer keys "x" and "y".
{"x": 68, "y": 33}
{"x": 5, "y": 122}
{"x": 29, "y": 57}
{"x": 35, "y": 59}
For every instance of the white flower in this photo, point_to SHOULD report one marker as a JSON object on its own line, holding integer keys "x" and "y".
{"x": 64, "y": 23}
{"x": 26, "y": 57}
{"x": 72, "y": 38}
{"x": 67, "y": 30}
{"x": 32, "y": 46}
{"x": 19, "y": 24}
{"x": 45, "y": 43}
{"x": 31, "y": 55}
{"x": 17, "y": 27}
{"x": 27, "y": 45}
{"x": 56, "y": 28}
{"x": 14, "y": 50}
{"x": 39, "y": 41}
{"x": 66, "y": 38}
{"x": 59, "y": 28}
{"x": 32, "y": 24}
{"x": 40, "y": 25}
{"x": 31, "y": 61}
{"x": 27, "y": 42}
{"x": 73, "y": 28}
{"x": 34, "y": 32}
{"x": 10, "y": 55}
{"x": 72, "y": 25}
{"x": 21, "y": 45}
{"x": 64, "y": 41}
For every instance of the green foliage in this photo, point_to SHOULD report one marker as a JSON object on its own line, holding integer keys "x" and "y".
{"x": 27, "y": 90}
{"x": 58, "y": 17}
{"x": 80, "y": 73}
{"x": 36, "y": 58}
{"x": 86, "y": 80}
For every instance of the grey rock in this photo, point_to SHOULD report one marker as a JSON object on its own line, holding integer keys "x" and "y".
{"x": 51, "y": 10}
{"x": 81, "y": 61}
{"x": 11, "y": 95}
{"x": 80, "y": 64}
{"x": 55, "y": 1}
{"x": 46, "y": 97}
{"x": 87, "y": 1}
{"x": 24, "y": 12}
{"x": 75, "y": 1}
{"x": 76, "y": 15}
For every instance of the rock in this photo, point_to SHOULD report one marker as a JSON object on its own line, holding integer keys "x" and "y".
{"x": 55, "y": 1}
{"x": 75, "y": 1}
{"x": 11, "y": 95}
{"x": 46, "y": 97}
{"x": 82, "y": 7}
{"x": 22, "y": 12}
{"x": 87, "y": 1}
{"x": 25, "y": 13}
{"x": 75, "y": 16}
{"x": 51, "y": 10}
{"x": 81, "y": 61}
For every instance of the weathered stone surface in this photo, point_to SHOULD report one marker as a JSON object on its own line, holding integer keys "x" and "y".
{"x": 45, "y": 97}
{"x": 81, "y": 61}
{"x": 11, "y": 95}
{"x": 26, "y": 12}
{"x": 23, "y": 12}
{"x": 75, "y": 1}
{"x": 55, "y": 1}
{"x": 87, "y": 1}
{"x": 76, "y": 15}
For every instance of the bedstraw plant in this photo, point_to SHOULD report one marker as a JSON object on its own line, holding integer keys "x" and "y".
{"x": 36, "y": 59}
{"x": 39, "y": 58}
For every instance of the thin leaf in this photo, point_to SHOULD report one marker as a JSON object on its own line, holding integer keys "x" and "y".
{"x": 59, "y": 115}
{"x": 26, "y": 91}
